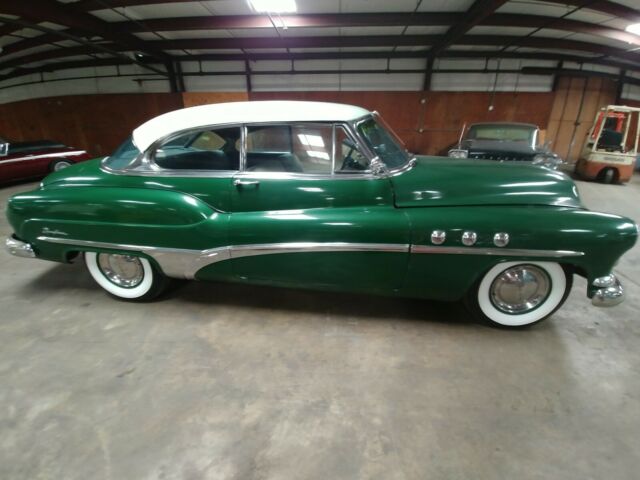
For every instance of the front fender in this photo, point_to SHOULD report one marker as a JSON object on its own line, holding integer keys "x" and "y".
{"x": 592, "y": 243}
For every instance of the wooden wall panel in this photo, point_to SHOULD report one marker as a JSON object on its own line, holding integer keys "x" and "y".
{"x": 430, "y": 122}
{"x": 97, "y": 123}
{"x": 575, "y": 105}
{"x": 402, "y": 110}
{"x": 192, "y": 99}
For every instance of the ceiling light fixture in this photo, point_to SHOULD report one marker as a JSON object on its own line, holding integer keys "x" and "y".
{"x": 634, "y": 28}
{"x": 273, "y": 6}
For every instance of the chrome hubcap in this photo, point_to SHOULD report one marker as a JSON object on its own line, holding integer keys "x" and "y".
{"x": 60, "y": 165}
{"x": 122, "y": 270}
{"x": 520, "y": 289}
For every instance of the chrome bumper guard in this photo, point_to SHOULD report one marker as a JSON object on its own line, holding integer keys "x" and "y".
{"x": 19, "y": 248}
{"x": 609, "y": 292}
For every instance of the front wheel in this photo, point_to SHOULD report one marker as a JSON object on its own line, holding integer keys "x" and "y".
{"x": 608, "y": 175}
{"x": 518, "y": 294}
{"x": 126, "y": 276}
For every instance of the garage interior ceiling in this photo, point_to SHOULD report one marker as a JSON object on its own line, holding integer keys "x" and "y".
{"x": 168, "y": 41}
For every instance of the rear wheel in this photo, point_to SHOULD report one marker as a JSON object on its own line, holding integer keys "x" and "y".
{"x": 126, "y": 276}
{"x": 59, "y": 165}
{"x": 518, "y": 294}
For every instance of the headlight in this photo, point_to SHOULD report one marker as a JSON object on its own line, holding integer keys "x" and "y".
{"x": 458, "y": 153}
{"x": 539, "y": 158}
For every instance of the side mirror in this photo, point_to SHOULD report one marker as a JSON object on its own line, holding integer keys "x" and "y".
{"x": 4, "y": 149}
{"x": 377, "y": 167}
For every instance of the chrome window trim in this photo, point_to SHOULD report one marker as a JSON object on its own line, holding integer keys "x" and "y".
{"x": 411, "y": 159}
{"x": 143, "y": 164}
{"x": 185, "y": 263}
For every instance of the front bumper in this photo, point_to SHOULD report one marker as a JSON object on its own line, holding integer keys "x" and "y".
{"x": 19, "y": 248}
{"x": 609, "y": 291}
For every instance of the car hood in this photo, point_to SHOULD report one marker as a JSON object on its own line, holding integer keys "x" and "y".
{"x": 442, "y": 181}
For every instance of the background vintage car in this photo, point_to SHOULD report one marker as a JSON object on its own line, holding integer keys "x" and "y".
{"x": 505, "y": 142}
{"x": 320, "y": 196}
{"x": 24, "y": 160}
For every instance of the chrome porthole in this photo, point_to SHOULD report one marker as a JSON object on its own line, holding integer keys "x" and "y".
{"x": 125, "y": 271}
{"x": 469, "y": 238}
{"x": 520, "y": 289}
{"x": 438, "y": 237}
{"x": 501, "y": 239}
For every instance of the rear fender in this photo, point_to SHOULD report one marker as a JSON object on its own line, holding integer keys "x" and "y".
{"x": 123, "y": 216}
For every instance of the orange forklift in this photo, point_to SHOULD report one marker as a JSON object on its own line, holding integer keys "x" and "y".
{"x": 610, "y": 151}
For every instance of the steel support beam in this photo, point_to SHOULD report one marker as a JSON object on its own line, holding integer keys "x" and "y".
{"x": 477, "y": 12}
{"x": 83, "y": 50}
{"x": 347, "y": 20}
{"x": 86, "y": 47}
{"x": 37, "y": 11}
{"x": 603, "y": 6}
{"x": 428, "y": 74}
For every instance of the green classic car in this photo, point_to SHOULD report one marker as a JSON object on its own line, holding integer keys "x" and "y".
{"x": 320, "y": 196}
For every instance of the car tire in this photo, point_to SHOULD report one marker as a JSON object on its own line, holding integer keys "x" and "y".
{"x": 58, "y": 165}
{"x": 519, "y": 294}
{"x": 128, "y": 277}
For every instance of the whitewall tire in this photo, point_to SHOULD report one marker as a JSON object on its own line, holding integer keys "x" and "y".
{"x": 128, "y": 277}
{"x": 518, "y": 294}
{"x": 60, "y": 165}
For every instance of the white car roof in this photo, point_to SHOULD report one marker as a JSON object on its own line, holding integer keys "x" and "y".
{"x": 242, "y": 112}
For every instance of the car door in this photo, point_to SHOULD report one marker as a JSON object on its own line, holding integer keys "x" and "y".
{"x": 15, "y": 166}
{"x": 306, "y": 211}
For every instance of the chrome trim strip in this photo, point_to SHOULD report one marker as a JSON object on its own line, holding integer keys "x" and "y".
{"x": 52, "y": 156}
{"x": 499, "y": 252}
{"x": 238, "y": 251}
{"x": 183, "y": 263}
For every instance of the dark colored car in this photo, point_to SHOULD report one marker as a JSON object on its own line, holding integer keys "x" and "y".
{"x": 503, "y": 141}
{"x": 25, "y": 160}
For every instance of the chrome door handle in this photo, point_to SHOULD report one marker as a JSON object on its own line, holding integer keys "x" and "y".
{"x": 245, "y": 183}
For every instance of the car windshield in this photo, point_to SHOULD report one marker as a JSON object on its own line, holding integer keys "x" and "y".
{"x": 123, "y": 156}
{"x": 502, "y": 133}
{"x": 383, "y": 142}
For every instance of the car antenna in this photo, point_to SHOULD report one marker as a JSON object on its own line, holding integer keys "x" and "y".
{"x": 464, "y": 125}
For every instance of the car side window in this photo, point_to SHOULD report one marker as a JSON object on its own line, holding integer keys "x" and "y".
{"x": 212, "y": 149}
{"x": 349, "y": 158}
{"x": 290, "y": 148}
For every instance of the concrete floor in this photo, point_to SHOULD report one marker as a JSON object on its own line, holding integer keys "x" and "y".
{"x": 228, "y": 382}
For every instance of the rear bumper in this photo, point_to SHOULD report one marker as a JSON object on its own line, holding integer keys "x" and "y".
{"x": 19, "y": 248}
{"x": 609, "y": 291}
